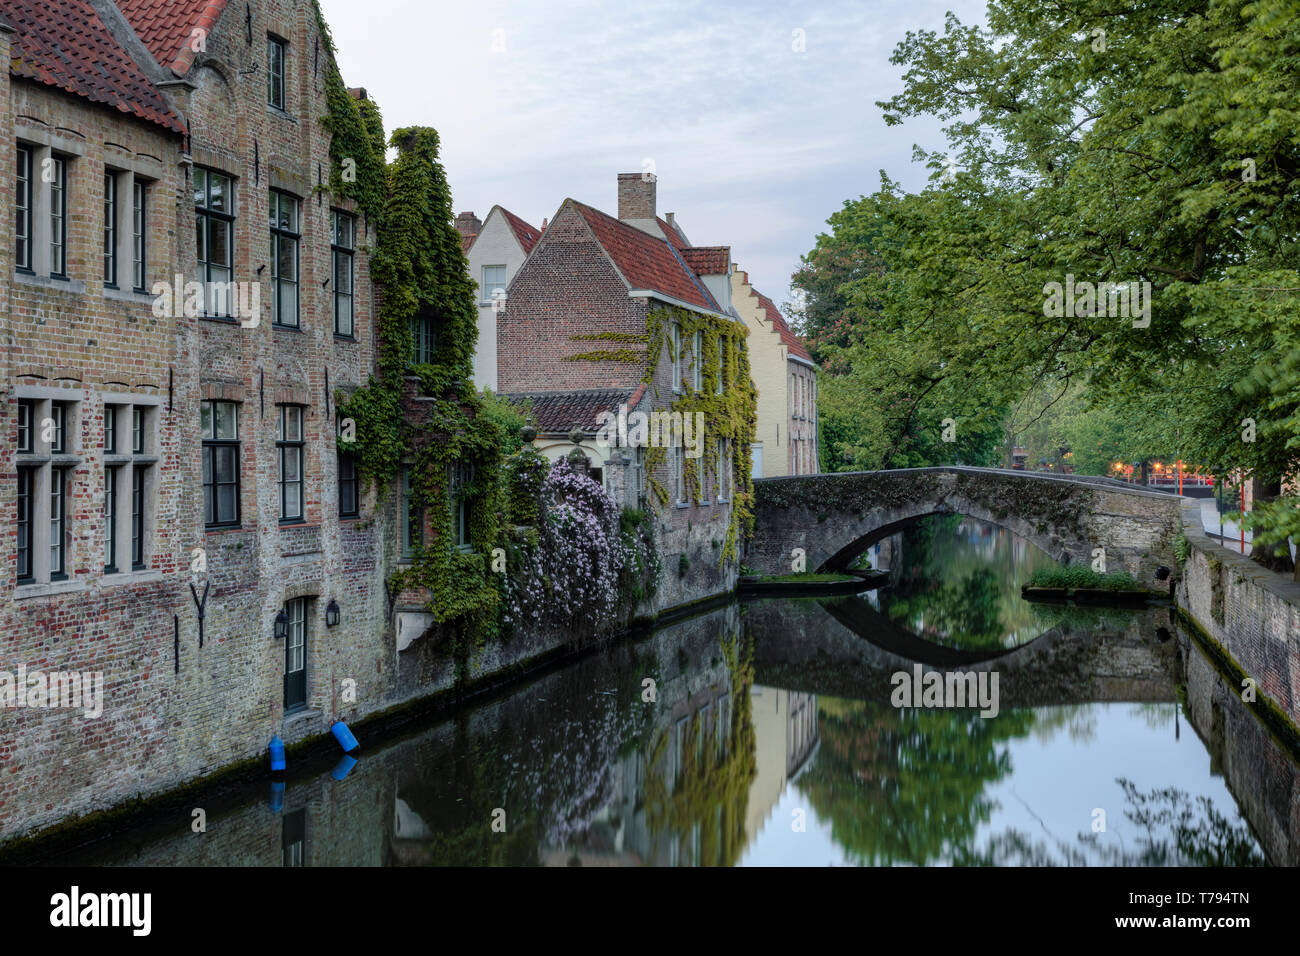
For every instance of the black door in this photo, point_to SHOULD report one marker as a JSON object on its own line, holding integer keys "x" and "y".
{"x": 295, "y": 656}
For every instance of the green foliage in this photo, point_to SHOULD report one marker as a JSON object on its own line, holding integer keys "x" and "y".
{"x": 509, "y": 416}
{"x": 1079, "y": 576}
{"x": 356, "y": 131}
{"x": 1168, "y": 155}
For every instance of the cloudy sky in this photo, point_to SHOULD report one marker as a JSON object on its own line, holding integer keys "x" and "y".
{"x": 755, "y": 143}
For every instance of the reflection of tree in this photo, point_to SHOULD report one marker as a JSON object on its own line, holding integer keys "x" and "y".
{"x": 907, "y": 785}
{"x": 710, "y": 794}
{"x": 1178, "y": 831}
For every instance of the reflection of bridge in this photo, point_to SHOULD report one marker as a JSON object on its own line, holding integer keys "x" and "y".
{"x": 803, "y": 646}
{"x": 834, "y": 517}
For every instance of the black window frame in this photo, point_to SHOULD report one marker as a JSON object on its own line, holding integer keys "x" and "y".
{"x": 280, "y": 235}
{"x": 412, "y": 516}
{"x": 59, "y": 415}
{"x": 26, "y": 429}
{"x": 424, "y": 334}
{"x": 59, "y": 495}
{"x": 137, "y": 519}
{"x": 26, "y": 524}
{"x": 348, "y": 483}
{"x": 111, "y": 475}
{"x": 210, "y": 449}
{"x": 204, "y": 216}
{"x": 340, "y": 253}
{"x": 295, "y": 448}
{"x": 23, "y": 210}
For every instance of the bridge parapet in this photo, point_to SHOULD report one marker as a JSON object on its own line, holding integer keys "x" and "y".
{"x": 834, "y": 517}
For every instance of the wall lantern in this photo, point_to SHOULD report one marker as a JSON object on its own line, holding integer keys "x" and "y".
{"x": 281, "y": 626}
{"x": 332, "y": 613}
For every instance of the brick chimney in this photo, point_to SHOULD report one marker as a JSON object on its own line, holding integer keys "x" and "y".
{"x": 467, "y": 224}
{"x": 636, "y": 197}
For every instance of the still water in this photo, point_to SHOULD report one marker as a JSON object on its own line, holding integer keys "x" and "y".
{"x": 771, "y": 740}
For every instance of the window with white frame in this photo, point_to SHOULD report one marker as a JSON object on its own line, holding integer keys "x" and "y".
{"x": 494, "y": 283}
{"x": 284, "y": 259}
{"x": 130, "y": 461}
{"x": 23, "y": 210}
{"x": 46, "y": 460}
{"x": 675, "y": 344}
{"x": 58, "y": 184}
{"x": 124, "y": 230}
{"x": 289, "y": 449}
{"x": 722, "y": 363}
{"x": 110, "y": 228}
{"x": 276, "y": 57}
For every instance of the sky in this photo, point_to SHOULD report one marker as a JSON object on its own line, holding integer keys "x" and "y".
{"x": 755, "y": 143}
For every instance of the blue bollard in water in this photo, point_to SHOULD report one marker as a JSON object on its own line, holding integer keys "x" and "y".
{"x": 344, "y": 736}
{"x": 277, "y": 753}
{"x": 343, "y": 767}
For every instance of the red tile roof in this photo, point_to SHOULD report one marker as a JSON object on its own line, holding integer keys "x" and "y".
{"x": 166, "y": 26}
{"x": 673, "y": 235}
{"x": 792, "y": 341}
{"x": 708, "y": 260}
{"x": 645, "y": 261}
{"x": 558, "y": 413}
{"x": 525, "y": 233}
{"x": 64, "y": 44}
{"x": 467, "y": 240}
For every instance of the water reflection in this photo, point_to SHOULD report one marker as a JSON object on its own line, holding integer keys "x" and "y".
{"x": 769, "y": 740}
{"x": 956, "y": 581}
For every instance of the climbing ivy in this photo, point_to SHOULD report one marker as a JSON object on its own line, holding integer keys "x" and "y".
{"x": 731, "y": 415}
{"x": 422, "y": 274}
{"x": 356, "y": 131}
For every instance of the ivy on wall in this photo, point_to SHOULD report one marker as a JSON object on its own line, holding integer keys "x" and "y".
{"x": 730, "y": 411}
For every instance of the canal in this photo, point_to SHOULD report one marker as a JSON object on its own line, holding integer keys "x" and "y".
{"x": 763, "y": 734}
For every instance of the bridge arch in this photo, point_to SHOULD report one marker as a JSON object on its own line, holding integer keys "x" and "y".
{"x": 832, "y": 517}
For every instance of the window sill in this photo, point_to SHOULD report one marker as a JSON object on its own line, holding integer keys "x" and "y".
{"x": 222, "y": 528}
{"x": 60, "y": 283}
{"x": 273, "y": 110}
{"x": 119, "y": 578}
{"x": 340, "y": 337}
{"x": 122, "y": 295}
{"x": 220, "y": 319}
{"x": 46, "y": 589}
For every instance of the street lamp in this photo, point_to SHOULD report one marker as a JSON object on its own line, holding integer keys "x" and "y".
{"x": 332, "y": 613}
{"x": 281, "y": 625}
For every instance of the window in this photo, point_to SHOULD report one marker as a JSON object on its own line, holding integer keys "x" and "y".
{"x": 276, "y": 55}
{"x": 343, "y": 229}
{"x": 426, "y": 339}
{"x": 45, "y": 463}
{"x": 137, "y": 235}
{"x": 25, "y": 567}
{"x": 128, "y": 472}
{"x": 110, "y": 519}
{"x": 679, "y": 475}
{"x": 289, "y": 447}
{"x": 494, "y": 279}
{"x": 58, "y": 217}
{"x": 295, "y": 655}
{"x": 220, "y": 428}
{"x": 697, "y": 360}
{"x": 412, "y": 527}
{"x": 722, "y": 363}
{"x": 284, "y": 260}
{"x": 214, "y": 223}
{"x": 110, "y": 228}
{"x": 462, "y": 473}
{"x": 724, "y": 471}
{"x": 58, "y": 524}
{"x": 676, "y": 345}
{"x": 349, "y": 486}
{"x": 23, "y": 208}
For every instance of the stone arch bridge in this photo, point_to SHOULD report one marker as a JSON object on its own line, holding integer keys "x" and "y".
{"x": 834, "y": 517}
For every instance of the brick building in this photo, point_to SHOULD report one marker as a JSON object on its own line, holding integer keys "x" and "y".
{"x": 594, "y": 280}
{"x": 178, "y": 518}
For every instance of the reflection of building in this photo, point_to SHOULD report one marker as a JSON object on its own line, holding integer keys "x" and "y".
{"x": 785, "y": 731}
